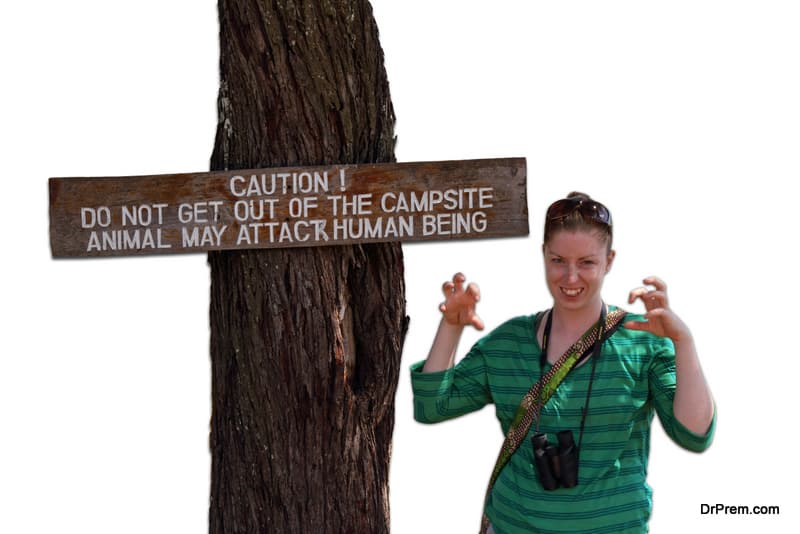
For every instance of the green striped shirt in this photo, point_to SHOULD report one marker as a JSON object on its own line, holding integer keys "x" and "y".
{"x": 635, "y": 378}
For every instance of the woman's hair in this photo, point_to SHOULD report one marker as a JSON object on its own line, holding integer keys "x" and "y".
{"x": 578, "y": 212}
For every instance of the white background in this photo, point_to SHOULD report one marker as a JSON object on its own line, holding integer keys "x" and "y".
{"x": 683, "y": 117}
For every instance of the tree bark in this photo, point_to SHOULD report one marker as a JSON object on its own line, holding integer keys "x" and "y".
{"x": 305, "y": 343}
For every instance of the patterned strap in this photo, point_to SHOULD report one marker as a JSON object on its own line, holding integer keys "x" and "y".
{"x": 526, "y": 413}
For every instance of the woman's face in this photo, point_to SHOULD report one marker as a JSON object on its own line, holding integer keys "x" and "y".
{"x": 575, "y": 264}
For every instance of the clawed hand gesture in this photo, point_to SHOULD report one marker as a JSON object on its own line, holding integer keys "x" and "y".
{"x": 459, "y": 303}
{"x": 661, "y": 320}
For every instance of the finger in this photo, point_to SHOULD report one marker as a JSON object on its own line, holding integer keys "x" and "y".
{"x": 650, "y": 298}
{"x": 474, "y": 291}
{"x": 656, "y": 299}
{"x": 448, "y": 288}
{"x": 637, "y": 293}
{"x": 656, "y": 282}
{"x": 477, "y": 322}
{"x": 442, "y": 307}
{"x": 655, "y": 313}
{"x": 637, "y": 325}
{"x": 458, "y": 280}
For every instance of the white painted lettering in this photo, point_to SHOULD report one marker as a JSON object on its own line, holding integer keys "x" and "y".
{"x": 203, "y": 236}
{"x": 374, "y": 229}
{"x": 235, "y": 184}
{"x": 91, "y": 217}
{"x": 199, "y": 212}
{"x": 137, "y": 239}
{"x": 281, "y": 183}
{"x": 454, "y": 223}
{"x": 355, "y": 205}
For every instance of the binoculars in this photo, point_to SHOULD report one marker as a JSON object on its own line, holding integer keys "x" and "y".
{"x": 556, "y": 466}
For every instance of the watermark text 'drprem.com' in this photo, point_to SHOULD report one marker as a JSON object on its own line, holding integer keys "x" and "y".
{"x": 724, "y": 509}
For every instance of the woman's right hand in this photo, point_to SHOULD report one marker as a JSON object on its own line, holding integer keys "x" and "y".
{"x": 458, "y": 311}
{"x": 459, "y": 303}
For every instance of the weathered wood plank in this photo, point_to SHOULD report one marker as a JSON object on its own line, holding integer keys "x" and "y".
{"x": 287, "y": 207}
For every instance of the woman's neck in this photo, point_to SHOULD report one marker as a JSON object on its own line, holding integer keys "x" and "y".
{"x": 576, "y": 322}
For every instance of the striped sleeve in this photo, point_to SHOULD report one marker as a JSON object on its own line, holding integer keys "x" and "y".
{"x": 662, "y": 380}
{"x": 443, "y": 395}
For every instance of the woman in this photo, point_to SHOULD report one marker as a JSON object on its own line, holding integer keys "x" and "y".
{"x": 546, "y": 374}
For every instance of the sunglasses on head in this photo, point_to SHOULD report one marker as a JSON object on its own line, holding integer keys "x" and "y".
{"x": 590, "y": 210}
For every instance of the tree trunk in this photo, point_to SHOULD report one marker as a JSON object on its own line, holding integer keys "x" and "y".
{"x": 305, "y": 343}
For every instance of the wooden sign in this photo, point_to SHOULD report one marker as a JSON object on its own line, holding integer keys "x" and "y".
{"x": 287, "y": 207}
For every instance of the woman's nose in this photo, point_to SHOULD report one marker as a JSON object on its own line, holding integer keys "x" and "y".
{"x": 572, "y": 273}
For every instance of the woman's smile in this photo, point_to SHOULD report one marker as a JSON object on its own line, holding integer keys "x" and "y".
{"x": 572, "y": 293}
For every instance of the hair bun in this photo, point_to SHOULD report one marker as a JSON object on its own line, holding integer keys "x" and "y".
{"x": 579, "y": 195}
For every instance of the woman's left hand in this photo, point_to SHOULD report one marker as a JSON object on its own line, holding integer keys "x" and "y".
{"x": 661, "y": 320}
